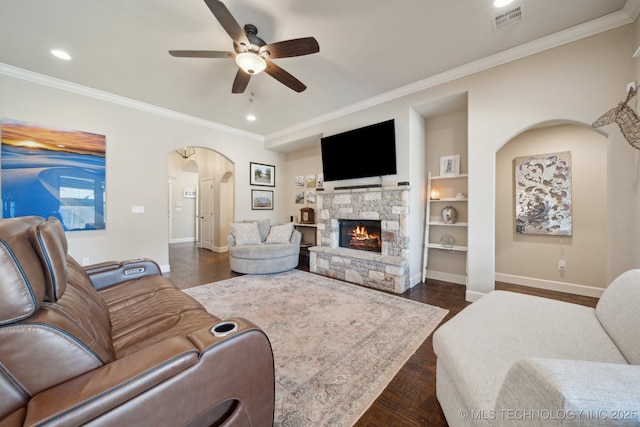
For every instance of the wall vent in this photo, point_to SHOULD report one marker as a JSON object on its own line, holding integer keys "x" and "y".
{"x": 509, "y": 16}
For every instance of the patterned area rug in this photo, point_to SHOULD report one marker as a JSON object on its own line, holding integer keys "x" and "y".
{"x": 336, "y": 345}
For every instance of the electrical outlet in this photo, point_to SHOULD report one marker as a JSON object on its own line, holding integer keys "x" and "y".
{"x": 86, "y": 261}
{"x": 562, "y": 265}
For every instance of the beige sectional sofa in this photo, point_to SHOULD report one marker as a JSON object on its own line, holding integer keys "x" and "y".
{"x": 515, "y": 359}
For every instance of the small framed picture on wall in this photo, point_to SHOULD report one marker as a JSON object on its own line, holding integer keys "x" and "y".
{"x": 450, "y": 165}
{"x": 260, "y": 174}
{"x": 261, "y": 199}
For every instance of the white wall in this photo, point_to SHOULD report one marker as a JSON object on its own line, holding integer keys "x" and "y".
{"x": 138, "y": 142}
{"x": 418, "y": 182}
{"x": 576, "y": 83}
{"x": 303, "y": 162}
{"x": 182, "y": 210}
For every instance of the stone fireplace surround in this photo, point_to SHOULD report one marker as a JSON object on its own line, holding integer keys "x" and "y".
{"x": 387, "y": 270}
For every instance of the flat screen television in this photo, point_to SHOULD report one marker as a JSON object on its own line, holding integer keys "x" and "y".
{"x": 360, "y": 153}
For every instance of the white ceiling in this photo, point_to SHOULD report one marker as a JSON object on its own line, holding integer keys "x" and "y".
{"x": 367, "y": 48}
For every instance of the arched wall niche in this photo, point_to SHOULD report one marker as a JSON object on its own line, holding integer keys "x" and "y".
{"x": 533, "y": 259}
{"x": 206, "y": 163}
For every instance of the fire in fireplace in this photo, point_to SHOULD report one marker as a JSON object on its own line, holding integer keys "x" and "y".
{"x": 364, "y": 235}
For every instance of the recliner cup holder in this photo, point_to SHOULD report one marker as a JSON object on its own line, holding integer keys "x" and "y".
{"x": 223, "y": 329}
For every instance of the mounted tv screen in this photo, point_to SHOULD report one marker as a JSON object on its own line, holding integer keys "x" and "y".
{"x": 360, "y": 153}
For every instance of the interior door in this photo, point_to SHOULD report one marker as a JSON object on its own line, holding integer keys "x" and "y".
{"x": 206, "y": 213}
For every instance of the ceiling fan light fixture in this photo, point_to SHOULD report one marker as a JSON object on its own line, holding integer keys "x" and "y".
{"x": 250, "y": 62}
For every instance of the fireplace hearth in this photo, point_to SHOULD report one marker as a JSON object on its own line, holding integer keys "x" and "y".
{"x": 364, "y": 235}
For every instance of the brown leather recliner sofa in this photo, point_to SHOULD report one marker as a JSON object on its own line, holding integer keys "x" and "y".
{"x": 115, "y": 344}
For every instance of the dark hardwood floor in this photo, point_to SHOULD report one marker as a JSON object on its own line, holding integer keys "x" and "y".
{"x": 410, "y": 398}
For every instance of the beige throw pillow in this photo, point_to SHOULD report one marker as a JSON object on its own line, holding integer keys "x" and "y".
{"x": 246, "y": 233}
{"x": 280, "y": 233}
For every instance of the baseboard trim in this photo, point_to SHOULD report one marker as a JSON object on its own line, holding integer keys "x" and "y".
{"x": 472, "y": 296}
{"x": 183, "y": 240}
{"x": 550, "y": 285}
{"x": 414, "y": 280}
{"x": 459, "y": 279}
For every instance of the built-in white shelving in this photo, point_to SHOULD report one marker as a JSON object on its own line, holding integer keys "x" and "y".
{"x": 453, "y": 192}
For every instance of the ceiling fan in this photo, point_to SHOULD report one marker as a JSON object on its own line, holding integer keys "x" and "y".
{"x": 252, "y": 54}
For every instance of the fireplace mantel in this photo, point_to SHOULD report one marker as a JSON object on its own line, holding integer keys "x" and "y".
{"x": 387, "y": 270}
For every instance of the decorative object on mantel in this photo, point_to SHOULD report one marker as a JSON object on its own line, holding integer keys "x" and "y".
{"x": 626, "y": 119}
{"x": 435, "y": 194}
{"x": 447, "y": 241}
{"x": 307, "y": 215}
{"x": 449, "y": 214}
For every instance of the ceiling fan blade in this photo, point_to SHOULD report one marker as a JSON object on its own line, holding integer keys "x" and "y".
{"x": 227, "y": 21}
{"x": 284, "y": 77}
{"x": 294, "y": 47}
{"x": 240, "y": 82}
{"x": 201, "y": 54}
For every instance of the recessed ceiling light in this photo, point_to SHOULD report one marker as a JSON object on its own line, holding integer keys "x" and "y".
{"x": 251, "y": 118}
{"x": 502, "y": 3}
{"x": 60, "y": 54}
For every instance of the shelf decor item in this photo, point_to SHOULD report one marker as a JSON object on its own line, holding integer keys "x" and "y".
{"x": 450, "y": 165}
{"x": 435, "y": 194}
{"x": 307, "y": 216}
{"x": 447, "y": 241}
{"x": 449, "y": 214}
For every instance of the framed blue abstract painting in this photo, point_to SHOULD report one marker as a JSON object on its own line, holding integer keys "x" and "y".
{"x": 48, "y": 171}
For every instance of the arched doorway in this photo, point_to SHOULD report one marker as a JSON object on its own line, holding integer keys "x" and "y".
{"x": 194, "y": 171}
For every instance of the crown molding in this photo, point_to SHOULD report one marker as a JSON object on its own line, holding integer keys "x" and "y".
{"x": 608, "y": 22}
{"x": 632, "y": 8}
{"x": 625, "y": 16}
{"x": 66, "y": 86}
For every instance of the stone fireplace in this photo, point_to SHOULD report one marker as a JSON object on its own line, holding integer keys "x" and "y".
{"x": 386, "y": 267}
